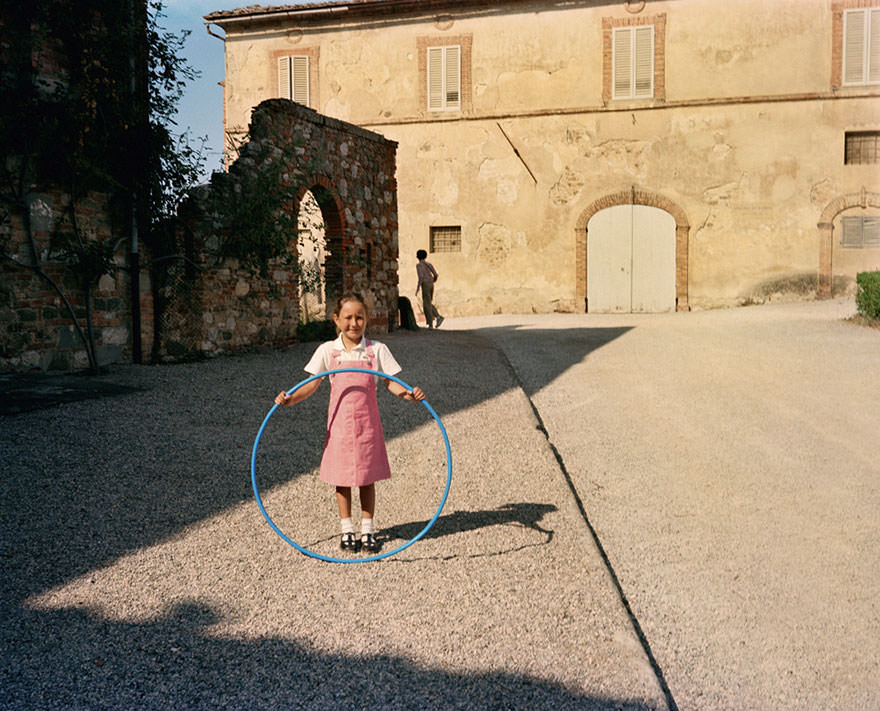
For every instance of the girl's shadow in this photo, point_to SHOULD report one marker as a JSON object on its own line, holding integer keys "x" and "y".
{"x": 525, "y": 515}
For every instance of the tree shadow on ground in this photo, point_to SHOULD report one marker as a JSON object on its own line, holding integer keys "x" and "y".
{"x": 114, "y": 475}
{"x": 26, "y": 392}
{"x": 71, "y": 659}
{"x": 550, "y": 351}
{"x": 117, "y": 474}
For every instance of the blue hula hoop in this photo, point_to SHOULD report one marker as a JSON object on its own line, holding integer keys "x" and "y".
{"x": 366, "y": 559}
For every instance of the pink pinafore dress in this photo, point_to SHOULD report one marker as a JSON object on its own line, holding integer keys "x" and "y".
{"x": 354, "y": 446}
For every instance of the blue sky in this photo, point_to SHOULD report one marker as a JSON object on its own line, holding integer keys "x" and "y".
{"x": 201, "y": 109}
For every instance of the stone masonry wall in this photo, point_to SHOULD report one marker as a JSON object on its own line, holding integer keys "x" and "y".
{"x": 206, "y": 309}
{"x": 350, "y": 171}
{"x": 36, "y": 331}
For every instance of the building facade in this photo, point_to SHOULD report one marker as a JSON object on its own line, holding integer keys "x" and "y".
{"x": 599, "y": 155}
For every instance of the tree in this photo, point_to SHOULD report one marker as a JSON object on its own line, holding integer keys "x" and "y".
{"x": 90, "y": 93}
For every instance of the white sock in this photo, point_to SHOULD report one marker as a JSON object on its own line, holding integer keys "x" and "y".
{"x": 347, "y": 525}
{"x": 366, "y": 525}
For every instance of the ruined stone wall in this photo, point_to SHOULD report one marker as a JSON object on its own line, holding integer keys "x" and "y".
{"x": 197, "y": 306}
{"x": 351, "y": 172}
{"x": 220, "y": 308}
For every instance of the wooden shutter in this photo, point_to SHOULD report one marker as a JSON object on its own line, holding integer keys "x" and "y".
{"x": 435, "y": 78}
{"x": 622, "y": 52}
{"x": 860, "y": 232}
{"x": 293, "y": 79}
{"x": 444, "y": 78}
{"x": 874, "y": 47}
{"x": 633, "y": 60}
{"x": 871, "y": 232}
{"x": 861, "y": 47}
{"x": 643, "y": 62}
{"x": 284, "y": 77}
{"x": 300, "y": 83}
{"x": 452, "y": 76}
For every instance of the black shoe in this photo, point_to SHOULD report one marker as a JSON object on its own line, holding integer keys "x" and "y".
{"x": 369, "y": 543}
{"x": 348, "y": 542}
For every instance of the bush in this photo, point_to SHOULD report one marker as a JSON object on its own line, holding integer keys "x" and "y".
{"x": 868, "y": 294}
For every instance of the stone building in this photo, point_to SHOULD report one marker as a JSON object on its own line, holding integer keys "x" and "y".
{"x": 193, "y": 300}
{"x": 66, "y": 206}
{"x": 607, "y": 155}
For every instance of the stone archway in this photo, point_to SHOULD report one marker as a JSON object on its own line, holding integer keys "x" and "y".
{"x": 351, "y": 173}
{"x": 634, "y": 196}
{"x": 333, "y": 216}
{"x": 863, "y": 199}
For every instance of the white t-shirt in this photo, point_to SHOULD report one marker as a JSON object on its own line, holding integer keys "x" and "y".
{"x": 322, "y": 359}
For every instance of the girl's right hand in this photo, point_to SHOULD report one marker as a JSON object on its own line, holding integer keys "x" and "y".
{"x": 282, "y": 399}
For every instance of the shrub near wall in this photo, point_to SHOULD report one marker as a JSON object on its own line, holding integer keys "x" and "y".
{"x": 868, "y": 294}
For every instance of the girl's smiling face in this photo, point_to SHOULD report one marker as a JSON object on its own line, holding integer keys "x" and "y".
{"x": 351, "y": 321}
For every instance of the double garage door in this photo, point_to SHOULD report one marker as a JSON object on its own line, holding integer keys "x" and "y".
{"x": 631, "y": 260}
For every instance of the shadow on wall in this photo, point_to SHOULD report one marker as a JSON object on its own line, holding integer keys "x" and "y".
{"x": 802, "y": 286}
{"x": 175, "y": 663}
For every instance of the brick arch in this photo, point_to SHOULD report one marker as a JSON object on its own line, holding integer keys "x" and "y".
{"x": 633, "y": 196}
{"x": 351, "y": 172}
{"x": 863, "y": 199}
{"x": 335, "y": 241}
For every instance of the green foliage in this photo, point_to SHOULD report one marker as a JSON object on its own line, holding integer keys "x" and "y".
{"x": 311, "y": 278}
{"x": 89, "y": 259}
{"x": 868, "y": 294}
{"x": 90, "y": 94}
{"x": 253, "y": 206}
{"x": 90, "y": 91}
{"x": 175, "y": 161}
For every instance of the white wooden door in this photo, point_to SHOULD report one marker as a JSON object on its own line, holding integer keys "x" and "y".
{"x": 631, "y": 260}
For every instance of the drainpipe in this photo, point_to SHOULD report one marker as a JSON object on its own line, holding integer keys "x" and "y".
{"x": 214, "y": 34}
{"x": 222, "y": 38}
{"x": 138, "y": 20}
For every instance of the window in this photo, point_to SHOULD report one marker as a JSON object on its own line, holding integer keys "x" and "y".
{"x": 634, "y": 58}
{"x": 446, "y": 239}
{"x": 860, "y": 232}
{"x": 861, "y": 46}
{"x": 293, "y": 78}
{"x": 444, "y": 78}
{"x": 633, "y": 62}
{"x": 444, "y": 74}
{"x": 861, "y": 147}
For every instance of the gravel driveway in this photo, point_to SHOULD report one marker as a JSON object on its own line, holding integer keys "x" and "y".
{"x": 672, "y": 511}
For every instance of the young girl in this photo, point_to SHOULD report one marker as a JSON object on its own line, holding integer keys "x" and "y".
{"x": 354, "y": 445}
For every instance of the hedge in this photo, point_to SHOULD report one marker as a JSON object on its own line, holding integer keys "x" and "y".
{"x": 868, "y": 294}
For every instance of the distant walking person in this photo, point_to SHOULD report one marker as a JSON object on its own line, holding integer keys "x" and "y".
{"x": 427, "y": 276}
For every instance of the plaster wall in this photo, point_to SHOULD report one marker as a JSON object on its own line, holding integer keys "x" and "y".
{"x": 736, "y": 172}
{"x": 744, "y": 135}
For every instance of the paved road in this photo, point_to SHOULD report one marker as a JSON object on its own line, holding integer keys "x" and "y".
{"x": 729, "y": 463}
{"x": 675, "y": 511}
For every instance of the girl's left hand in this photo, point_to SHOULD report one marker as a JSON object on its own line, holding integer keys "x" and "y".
{"x": 417, "y": 394}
